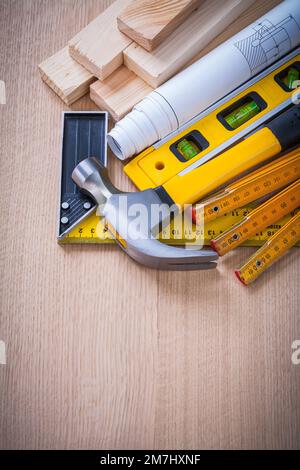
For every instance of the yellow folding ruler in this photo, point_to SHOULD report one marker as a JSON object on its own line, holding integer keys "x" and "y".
{"x": 257, "y": 184}
{"x": 271, "y": 251}
{"x": 265, "y": 214}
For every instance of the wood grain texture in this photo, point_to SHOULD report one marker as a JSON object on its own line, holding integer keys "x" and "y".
{"x": 102, "y": 353}
{"x": 118, "y": 93}
{"x": 149, "y": 22}
{"x": 99, "y": 46}
{"x": 68, "y": 79}
{"x": 202, "y": 26}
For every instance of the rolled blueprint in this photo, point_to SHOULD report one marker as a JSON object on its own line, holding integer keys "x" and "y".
{"x": 209, "y": 79}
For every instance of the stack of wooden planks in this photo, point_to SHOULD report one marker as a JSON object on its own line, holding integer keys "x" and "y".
{"x": 136, "y": 45}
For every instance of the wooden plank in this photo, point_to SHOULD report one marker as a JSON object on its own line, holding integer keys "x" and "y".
{"x": 118, "y": 93}
{"x": 68, "y": 79}
{"x": 182, "y": 45}
{"x": 149, "y": 22}
{"x": 99, "y": 46}
{"x": 2, "y": 92}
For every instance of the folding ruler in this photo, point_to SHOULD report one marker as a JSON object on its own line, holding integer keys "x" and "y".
{"x": 256, "y": 185}
{"x": 271, "y": 251}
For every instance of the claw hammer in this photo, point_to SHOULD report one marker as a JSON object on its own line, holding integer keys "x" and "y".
{"x": 188, "y": 187}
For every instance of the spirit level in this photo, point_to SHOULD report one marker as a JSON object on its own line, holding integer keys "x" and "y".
{"x": 271, "y": 251}
{"x": 269, "y": 178}
{"x": 219, "y": 127}
{"x": 268, "y": 213}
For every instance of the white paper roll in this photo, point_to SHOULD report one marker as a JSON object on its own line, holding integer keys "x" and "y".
{"x": 209, "y": 79}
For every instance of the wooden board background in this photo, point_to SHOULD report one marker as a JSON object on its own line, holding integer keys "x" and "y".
{"x": 102, "y": 353}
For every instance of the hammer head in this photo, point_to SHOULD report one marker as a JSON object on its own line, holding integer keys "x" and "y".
{"x": 132, "y": 219}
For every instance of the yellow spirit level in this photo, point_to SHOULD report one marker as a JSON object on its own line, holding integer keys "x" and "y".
{"x": 219, "y": 127}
